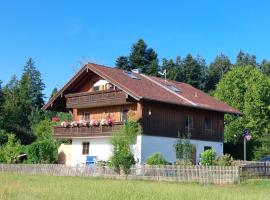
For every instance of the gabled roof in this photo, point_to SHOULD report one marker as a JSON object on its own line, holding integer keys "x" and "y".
{"x": 144, "y": 87}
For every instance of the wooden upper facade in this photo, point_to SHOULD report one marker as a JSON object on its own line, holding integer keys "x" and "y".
{"x": 164, "y": 109}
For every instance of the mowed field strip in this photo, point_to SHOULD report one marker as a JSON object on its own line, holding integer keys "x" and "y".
{"x": 28, "y": 187}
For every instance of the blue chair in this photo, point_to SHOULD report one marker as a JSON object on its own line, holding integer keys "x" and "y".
{"x": 90, "y": 160}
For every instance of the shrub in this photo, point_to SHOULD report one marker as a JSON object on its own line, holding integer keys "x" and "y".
{"x": 184, "y": 150}
{"x": 10, "y": 151}
{"x": 225, "y": 160}
{"x": 43, "y": 130}
{"x": 156, "y": 159}
{"x": 208, "y": 157}
{"x": 42, "y": 152}
{"x": 123, "y": 158}
{"x": 3, "y": 137}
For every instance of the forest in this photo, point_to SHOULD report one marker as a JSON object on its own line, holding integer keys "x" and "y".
{"x": 244, "y": 84}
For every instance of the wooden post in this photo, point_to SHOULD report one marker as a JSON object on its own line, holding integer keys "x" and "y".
{"x": 245, "y": 149}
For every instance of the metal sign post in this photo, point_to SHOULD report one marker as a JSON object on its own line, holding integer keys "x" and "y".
{"x": 246, "y": 137}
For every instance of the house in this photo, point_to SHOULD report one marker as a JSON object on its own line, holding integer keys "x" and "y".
{"x": 163, "y": 108}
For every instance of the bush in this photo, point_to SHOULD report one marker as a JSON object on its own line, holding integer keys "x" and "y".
{"x": 208, "y": 157}
{"x": 184, "y": 150}
{"x": 42, "y": 152}
{"x": 43, "y": 130}
{"x": 156, "y": 159}
{"x": 123, "y": 158}
{"x": 10, "y": 151}
{"x": 225, "y": 160}
{"x": 3, "y": 137}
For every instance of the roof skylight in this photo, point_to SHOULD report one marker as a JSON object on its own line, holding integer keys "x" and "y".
{"x": 173, "y": 88}
{"x": 131, "y": 75}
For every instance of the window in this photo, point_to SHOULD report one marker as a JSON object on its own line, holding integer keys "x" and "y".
{"x": 86, "y": 116}
{"x": 173, "y": 88}
{"x": 207, "y": 123}
{"x": 124, "y": 115}
{"x": 85, "y": 149}
{"x": 189, "y": 121}
{"x": 206, "y": 148}
{"x": 100, "y": 85}
{"x": 131, "y": 75}
{"x": 96, "y": 88}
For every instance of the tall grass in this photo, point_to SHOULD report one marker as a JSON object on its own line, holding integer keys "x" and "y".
{"x": 27, "y": 187}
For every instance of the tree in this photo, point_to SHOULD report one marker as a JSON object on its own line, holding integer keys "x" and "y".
{"x": 43, "y": 130}
{"x": 140, "y": 57}
{"x": 123, "y": 158}
{"x": 265, "y": 67}
{"x": 3, "y": 137}
{"x": 153, "y": 68}
{"x": 217, "y": 69}
{"x": 13, "y": 113}
{"x": 172, "y": 68}
{"x": 247, "y": 89}
{"x": 122, "y": 62}
{"x": 32, "y": 77}
{"x": 137, "y": 55}
{"x": 246, "y": 59}
{"x": 54, "y": 91}
{"x": 193, "y": 72}
{"x": 263, "y": 149}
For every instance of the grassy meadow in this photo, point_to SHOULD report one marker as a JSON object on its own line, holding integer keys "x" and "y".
{"x": 28, "y": 187}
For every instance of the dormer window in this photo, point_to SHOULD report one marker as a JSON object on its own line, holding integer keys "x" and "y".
{"x": 101, "y": 85}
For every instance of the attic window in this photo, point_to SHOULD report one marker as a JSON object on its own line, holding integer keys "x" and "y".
{"x": 174, "y": 89}
{"x": 101, "y": 85}
{"x": 131, "y": 75}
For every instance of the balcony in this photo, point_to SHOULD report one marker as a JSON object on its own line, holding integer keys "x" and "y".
{"x": 92, "y": 131}
{"x": 158, "y": 127}
{"x": 97, "y": 98}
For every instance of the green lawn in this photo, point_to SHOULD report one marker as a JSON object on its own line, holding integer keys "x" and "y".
{"x": 27, "y": 187}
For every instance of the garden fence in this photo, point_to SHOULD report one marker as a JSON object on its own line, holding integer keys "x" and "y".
{"x": 253, "y": 170}
{"x": 199, "y": 174}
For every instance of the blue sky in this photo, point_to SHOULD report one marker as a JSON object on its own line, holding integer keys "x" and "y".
{"x": 61, "y": 35}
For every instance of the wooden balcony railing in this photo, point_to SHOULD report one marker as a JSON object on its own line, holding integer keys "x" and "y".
{"x": 173, "y": 128}
{"x": 71, "y": 132}
{"x": 97, "y": 98}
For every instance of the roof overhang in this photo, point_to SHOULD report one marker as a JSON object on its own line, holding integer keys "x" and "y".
{"x": 57, "y": 102}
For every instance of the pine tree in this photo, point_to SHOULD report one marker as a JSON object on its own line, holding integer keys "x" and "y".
{"x": 265, "y": 67}
{"x": 246, "y": 59}
{"x": 122, "y": 62}
{"x": 193, "y": 72}
{"x": 54, "y": 91}
{"x": 141, "y": 57}
{"x": 171, "y": 69}
{"x": 153, "y": 68}
{"x": 11, "y": 102}
{"x": 15, "y": 120}
{"x": 217, "y": 69}
{"x": 137, "y": 55}
{"x": 36, "y": 86}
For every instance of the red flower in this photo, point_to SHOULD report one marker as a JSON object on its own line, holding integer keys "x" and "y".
{"x": 55, "y": 119}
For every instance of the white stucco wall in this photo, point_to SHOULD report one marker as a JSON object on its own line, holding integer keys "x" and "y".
{"x": 164, "y": 145}
{"x": 144, "y": 147}
{"x": 99, "y": 147}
